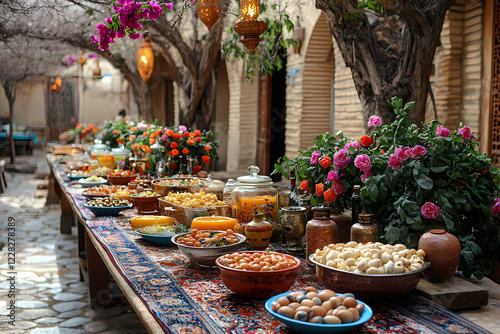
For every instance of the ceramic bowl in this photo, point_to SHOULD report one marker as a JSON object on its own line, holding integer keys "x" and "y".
{"x": 161, "y": 240}
{"x": 259, "y": 284}
{"x": 107, "y": 211}
{"x": 91, "y": 183}
{"x": 146, "y": 205}
{"x": 308, "y": 327}
{"x": 121, "y": 180}
{"x": 75, "y": 178}
{"x": 206, "y": 256}
{"x": 164, "y": 189}
{"x": 367, "y": 286}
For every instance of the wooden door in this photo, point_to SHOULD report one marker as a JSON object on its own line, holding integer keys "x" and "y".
{"x": 62, "y": 109}
{"x": 494, "y": 148}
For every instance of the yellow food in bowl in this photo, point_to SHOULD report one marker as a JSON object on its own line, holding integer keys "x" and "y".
{"x": 150, "y": 220}
{"x": 213, "y": 223}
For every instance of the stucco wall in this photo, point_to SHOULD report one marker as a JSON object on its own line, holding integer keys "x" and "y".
{"x": 29, "y": 107}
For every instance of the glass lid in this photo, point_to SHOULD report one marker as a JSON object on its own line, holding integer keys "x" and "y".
{"x": 254, "y": 178}
{"x": 120, "y": 149}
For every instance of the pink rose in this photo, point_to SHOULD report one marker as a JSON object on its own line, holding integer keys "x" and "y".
{"x": 164, "y": 138}
{"x": 363, "y": 162}
{"x": 429, "y": 210}
{"x": 496, "y": 200}
{"x": 338, "y": 187}
{"x": 314, "y": 157}
{"x": 182, "y": 128}
{"x": 495, "y": 209}
{"x": 442, "y": 131}
{"x": 366, "y": 175}
{"x": 341, "y": 159}
{"x": 417, "y": 151}
{"x": 465, "y": 132}
{"x": 402, "y": 153}
{"x": 353, "y": 143}
{"x": 332, "y": 176}
{"x": 394, "y": 161}
{"x": 374, "y": 121}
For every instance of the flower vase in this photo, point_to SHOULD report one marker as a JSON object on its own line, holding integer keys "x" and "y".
{"x": 442, "y": 250}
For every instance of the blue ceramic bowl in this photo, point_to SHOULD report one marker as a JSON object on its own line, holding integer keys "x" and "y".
{"x": 107, "y": 211}
{"x": 308, "y": 327}
{"x": 74, "y": 178}
{"x": 161, "y": 240}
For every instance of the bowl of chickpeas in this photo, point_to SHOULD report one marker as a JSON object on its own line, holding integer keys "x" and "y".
{"x": 370, "y": 270}
{"x": 203, "y": 247}
{"x": 258, "y": 274}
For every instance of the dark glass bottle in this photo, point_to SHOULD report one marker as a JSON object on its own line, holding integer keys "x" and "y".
{"x": 356, "y": 204}
{"x": 293, "y": 199}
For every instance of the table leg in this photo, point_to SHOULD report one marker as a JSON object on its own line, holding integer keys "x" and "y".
{"x": 52, "y": 197}
{"x": 98, "y": 276}
{"x": 66, "y": 216}
{"x": 81, "y": 246}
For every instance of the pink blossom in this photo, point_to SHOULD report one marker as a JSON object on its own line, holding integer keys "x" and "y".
{"x": 135, "y": 36}
{"x": 374, "y": 121}
{"x": 341, "y": 159}
{"x": 495, "y": 209}
{"x": 182, "y": 128}
{"x": 394, "y": 161}
{"x": 314, "y": 157}
{"x": 129, "y": 16}
{"x": 353, "y": 143}
{"x": 71, "y": 60}
{"x": 496, "y": 200}
{"x": 332, "y": 176}
{"x": 93, "y": 55}
{"x": 170, "y": 5}
{"x": 366, "y": 175}
{"x": 402, "y": 153}
{"x": 465, "y": 132}
{"x": 417, "y": 151}
{"x": 442, "y": 131}
{"x": 429, "y": 210}
{"x": 363, "y": 162}
{"x": 164, "y": 138}
{"x": 338, "y": 187}
{"x": 154, "y": 10}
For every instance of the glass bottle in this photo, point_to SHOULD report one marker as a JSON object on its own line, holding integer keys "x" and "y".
{"x": 356, "y": 204}
{"x": 365, "y": 230}
{"x": 258, "y": 232}
{"x": 294, "y": 227}
{"x": 344, "y": 222}
{"x": 228, "y": 189}
{"x": 293, "y": 199}
{"x": 320, "y": 231}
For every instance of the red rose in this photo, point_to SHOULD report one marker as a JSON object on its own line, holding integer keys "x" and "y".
{"x": 173, "y": 165}
{"x": 175, "y": 151}
{"x": 198, "y": 139}
{"x": 185, "y": 134}
{"x": 366, "y": 141}
{"x": 169, "y": 132}
{"x": 304, "y": 185}
{"x": 196, "y": 169}
{"x": 319, "y": 189}
{"x": 329, "y": 195}
{"x": 177, "y": 136}
{"x": 173, "y": 145}
{"x": 325, "y": 162}
{"x": 197, "y": 133}
{"x": 185, "y": 151}
{"x": 207, "y": 148}
{"x": 206, "y": 159}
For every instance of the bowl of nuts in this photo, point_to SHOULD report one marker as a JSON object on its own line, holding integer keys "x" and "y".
{"x": 107, "y": 206}
{"x": 370, "y": 271}
{"x": 146, "y": 203}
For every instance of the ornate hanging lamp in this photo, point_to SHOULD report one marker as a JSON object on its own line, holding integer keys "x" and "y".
{"x": 82, "y": 59}
{"x": 145, "y": 58}
{"x": 208, "y": 11}
{"x": 96, "y": 71}
{"x": 56, "y": 86}
{"x": 249, "y": 26}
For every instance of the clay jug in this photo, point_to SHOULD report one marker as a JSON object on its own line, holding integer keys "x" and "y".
{"x": 442, "y": 250}
{"x": 343, "y": 221}
{"x": 320, "y": 231}
{"x": 258, "y": 232}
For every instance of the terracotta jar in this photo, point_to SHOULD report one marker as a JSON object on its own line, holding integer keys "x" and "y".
{"x": 344, "y": 223}
{"x": 258, "y": 232}
{"x": 365, "y": 230}
{"x": 442, "y": 250}
{"x": 320, "y": 231}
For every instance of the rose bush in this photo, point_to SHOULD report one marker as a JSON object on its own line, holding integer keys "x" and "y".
{"x": 413, "y": 179}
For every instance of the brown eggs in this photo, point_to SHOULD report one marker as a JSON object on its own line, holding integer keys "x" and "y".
{"x": 319, "y": 306}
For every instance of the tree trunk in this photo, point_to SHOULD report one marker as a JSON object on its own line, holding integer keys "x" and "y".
{"x": 389, "y": 54}
{"x": 11, "y": 130}
{"x": 142, "y": 95}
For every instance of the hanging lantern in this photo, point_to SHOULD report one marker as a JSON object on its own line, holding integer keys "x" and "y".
{"x": 145, "y": 59}
{"x": 56, "y": 87}
{"x": 96, "y": 71}
{"x": 208, "y": 11}
{"x": 82, "y": 59}
{"x": 249, "y": 26}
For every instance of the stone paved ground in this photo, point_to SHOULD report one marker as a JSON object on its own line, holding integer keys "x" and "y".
{"x": 49, "y": 298}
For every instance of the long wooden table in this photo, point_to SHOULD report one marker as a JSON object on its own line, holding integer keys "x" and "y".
{"x": 171, "y": 297}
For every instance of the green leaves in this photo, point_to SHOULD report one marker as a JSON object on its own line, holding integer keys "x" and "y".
{"x": 425, "y": 182}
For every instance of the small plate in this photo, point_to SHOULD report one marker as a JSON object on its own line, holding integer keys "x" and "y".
{"x": 162, "y": 240}
{"x": 86, "y": 194}
{"x": 107, "y": 211}
{"x": 91, "y": 183}
{"x": 308, "y": 327}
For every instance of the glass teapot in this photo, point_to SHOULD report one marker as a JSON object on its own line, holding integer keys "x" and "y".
{"x": 254, "y": 194}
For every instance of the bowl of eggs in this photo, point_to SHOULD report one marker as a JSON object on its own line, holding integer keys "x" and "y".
{"x": 258, "y": 274}
{"x": 324, "y": 311}
{"x": 370, "y": 271}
